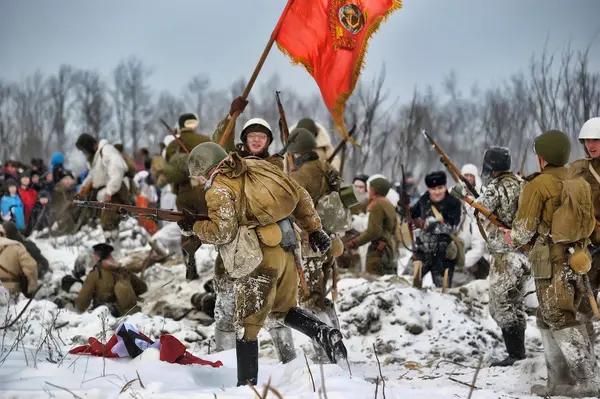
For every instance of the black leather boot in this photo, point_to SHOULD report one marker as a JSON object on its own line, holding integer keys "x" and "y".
{"x": 514, "y": 339}
{"x": 247, "y": 361}
{"x": 330, "y": 339}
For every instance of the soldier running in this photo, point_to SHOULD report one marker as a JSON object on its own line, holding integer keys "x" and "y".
{"x": 256, "y": 138}
{"x": 318, "y": 178}
{"x": 267, "y": 280}
{"x": 106, "y": 181}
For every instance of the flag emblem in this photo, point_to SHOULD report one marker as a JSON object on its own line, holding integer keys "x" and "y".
{"x": 351, "y": 18}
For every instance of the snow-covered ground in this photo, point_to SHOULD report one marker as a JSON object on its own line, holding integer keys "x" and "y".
{"x": 428, "y": 343}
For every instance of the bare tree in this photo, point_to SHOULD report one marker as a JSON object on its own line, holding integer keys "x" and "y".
{"x": 59, "y": 92}
{"x": 31, "y": 108}
{"x": 7, "y": 120}
{"x": 564, "y": 96}
{"x": 132, "y": 98}
{"x": 92, "y": 106}
{"x": 197, "y": 95}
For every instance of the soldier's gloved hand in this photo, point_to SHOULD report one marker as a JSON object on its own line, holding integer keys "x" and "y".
{"x": 319, "y": 241}
{"x": 237, "y": 105}
{"x": 351, "y": 244}
{"x": 418, "y": 223}
{"x": 187, "y": 224}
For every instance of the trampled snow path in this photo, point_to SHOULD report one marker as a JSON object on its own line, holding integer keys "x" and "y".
{"x": 427, "y": 342}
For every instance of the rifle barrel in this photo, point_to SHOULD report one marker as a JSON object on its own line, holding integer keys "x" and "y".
{"x": 139, "y": 212}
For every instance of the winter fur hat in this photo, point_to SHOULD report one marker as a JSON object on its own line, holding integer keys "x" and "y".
{"x": 436, "y": 179}
{"x": 43, "y": 194}
{"x": 188, "y": 121}
{"x": 87, "y": 143}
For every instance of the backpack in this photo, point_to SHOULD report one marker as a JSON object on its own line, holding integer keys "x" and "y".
{"x": 271, "y": 195}
{"x": 335, "y": 217}
{"x": 574, "y": 219}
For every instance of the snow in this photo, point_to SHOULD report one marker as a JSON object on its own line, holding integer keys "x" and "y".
{"x": 426, "y": 341}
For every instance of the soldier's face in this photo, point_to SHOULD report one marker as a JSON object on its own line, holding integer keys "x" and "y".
{"x": 43, "y": 200}
{"x": 470, "y": 178}
{"x": 360, "y": 186}
{"x": 593, "y": 147}
{"x": 437, "y": 194}
{"x": 257, "y": 142}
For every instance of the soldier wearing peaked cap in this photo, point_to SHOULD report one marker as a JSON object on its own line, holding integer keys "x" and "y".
{"x": 438, "y": 216}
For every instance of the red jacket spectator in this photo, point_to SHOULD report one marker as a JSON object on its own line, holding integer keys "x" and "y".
{"x": 28, "y": 196}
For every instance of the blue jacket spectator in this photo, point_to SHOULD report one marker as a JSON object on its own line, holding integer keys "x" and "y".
{"x": 11, "y": 206}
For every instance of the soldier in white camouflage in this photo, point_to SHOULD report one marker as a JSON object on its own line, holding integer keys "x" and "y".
{"x": 510, "y": 269}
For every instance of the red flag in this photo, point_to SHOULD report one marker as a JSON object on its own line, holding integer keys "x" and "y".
{"x": 329, "y": 38}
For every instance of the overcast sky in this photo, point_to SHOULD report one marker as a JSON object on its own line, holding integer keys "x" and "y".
{"x": 483, "y": 40}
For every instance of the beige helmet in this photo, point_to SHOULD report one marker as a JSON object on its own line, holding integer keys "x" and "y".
{"x": 257, "y": 124}
{"x": 204, "y": 157}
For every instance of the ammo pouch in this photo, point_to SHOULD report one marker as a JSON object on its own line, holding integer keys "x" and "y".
{"x": 288, "y": 235}
{"x": 539, "y": 257}
{"x": 270, "y": 235}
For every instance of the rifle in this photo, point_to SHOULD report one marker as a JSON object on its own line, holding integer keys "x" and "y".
{"x": 127, "y": 211}
{"x": 405, "y": 217}
{"x": 341, "y": 145}
{"x": 181, "y": 144}
{"x": 454, "y": 171}
{"x": 491, "y": 216}
{"x": 284, "y": 130}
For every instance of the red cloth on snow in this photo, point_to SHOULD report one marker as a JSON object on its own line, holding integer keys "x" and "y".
{"x": 171, "y": 349}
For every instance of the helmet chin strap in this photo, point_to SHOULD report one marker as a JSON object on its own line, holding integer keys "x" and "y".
{"x": 539, "y": 162}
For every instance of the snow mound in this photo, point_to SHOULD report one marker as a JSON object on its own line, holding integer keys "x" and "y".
{"x": 426, "y": 341}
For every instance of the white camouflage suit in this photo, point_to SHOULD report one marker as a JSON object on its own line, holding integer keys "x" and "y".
{"x": 510, "y": 269}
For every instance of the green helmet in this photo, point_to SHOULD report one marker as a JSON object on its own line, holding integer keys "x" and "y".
{"x": 204, "y": 157}
{"x": 381, "y": 186}
{"x": 302, "y": 141}
{"x": 553, "y": 147}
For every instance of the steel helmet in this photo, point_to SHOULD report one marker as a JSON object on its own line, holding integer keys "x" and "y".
{"x": 554, "y": 147}
{"x": 261, "y": 125}
{"x": 204, "y": 157}
{"x": 301, "y": 141}
{"x": 495, "y": 159}
{"x": 590, "y": 129}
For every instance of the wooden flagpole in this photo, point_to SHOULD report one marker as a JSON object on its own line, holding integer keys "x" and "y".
{"x": 257, "y": 69}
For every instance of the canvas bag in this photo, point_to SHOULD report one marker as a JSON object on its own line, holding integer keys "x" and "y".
{"x": 574, "y": 220}
{"x": 335, "y": 217}
{"x": 271, "y": 195}
{"x": 243, "y": 254}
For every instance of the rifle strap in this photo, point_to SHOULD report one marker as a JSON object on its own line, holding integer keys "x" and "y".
{"x": 437, "y": 214}
{"x": 480, "y": 226}
{"x": 593, "y": 171}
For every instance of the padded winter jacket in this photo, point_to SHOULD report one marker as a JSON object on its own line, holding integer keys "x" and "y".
{"x": 15, "y": 258}
{"x": 107, "y": 170}
{"x": 29, "y": 198}
{"x": 11, "y": 207}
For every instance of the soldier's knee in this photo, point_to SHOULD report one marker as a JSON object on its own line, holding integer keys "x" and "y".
{"x": 250, "y": 332}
